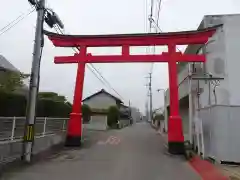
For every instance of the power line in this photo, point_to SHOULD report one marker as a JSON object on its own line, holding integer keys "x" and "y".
{"x": 90, "y": 66}
{"x": 159, "y": 9}
{"x": 15, "y": 21}
{"x": 105, "y": 80}
{"x": 151, "y": 21}
{"x": 158, "y": 28}
{"x": 151, "y": 13}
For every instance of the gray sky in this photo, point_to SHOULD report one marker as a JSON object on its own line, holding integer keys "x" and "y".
{"x": 102, "y": 17}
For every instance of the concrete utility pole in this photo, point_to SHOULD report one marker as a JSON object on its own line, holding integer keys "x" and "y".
{"x": 150, "y": 90}
{"x": 146, "y": 110}
{"x": 130, "y": 112}
{"x": 34, "y": 83}
{"x": 165, "y": 107}
{"x": 150, "y": 96}
{"x": 51, "y": 18}
{"x": 190, "y": 100}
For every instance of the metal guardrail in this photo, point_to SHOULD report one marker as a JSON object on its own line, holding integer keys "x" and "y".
{"x": 12, "y": 128}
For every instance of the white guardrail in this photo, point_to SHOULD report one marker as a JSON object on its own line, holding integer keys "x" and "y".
{"x": 12, "y": 128}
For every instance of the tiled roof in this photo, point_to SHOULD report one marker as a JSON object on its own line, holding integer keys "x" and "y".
{"x": 105, "y": 92}
{"x": 4, "y": 63}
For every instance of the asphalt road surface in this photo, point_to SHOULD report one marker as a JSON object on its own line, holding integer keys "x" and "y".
{"x": 132, "y": 153}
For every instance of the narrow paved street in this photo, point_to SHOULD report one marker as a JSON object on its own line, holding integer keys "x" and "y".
{"x": 133, "y": 153}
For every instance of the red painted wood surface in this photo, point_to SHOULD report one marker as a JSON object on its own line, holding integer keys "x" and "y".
{"x": 175, "y": 131}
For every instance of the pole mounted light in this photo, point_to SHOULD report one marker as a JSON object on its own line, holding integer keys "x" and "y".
{"x": 57, "y": 20}
{"x": 51, "y": 18}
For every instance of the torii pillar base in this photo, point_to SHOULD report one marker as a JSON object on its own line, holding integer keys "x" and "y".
{"x": 175, "y": 136}
{"x": 74, "y": 133}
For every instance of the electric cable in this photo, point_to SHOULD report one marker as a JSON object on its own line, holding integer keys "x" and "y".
{"x": 151, "y": 21}
{"x": 15, "y": 22}
{"x": 90, "y": 66}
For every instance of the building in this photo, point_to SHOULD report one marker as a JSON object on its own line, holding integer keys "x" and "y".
{"x": 99, "y": 103}
{"x": 136, "y": 115}
{"x": 212, "y": 105}
{"x": 6, "y": 66}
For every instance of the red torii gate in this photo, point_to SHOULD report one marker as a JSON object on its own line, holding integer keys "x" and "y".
{"x": 175, "y": 133}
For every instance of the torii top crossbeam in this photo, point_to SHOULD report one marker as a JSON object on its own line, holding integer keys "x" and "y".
{"x": 144, "y": 39}
{"x": 127, "y": 40}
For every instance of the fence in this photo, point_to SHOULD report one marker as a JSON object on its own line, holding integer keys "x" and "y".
{"x": 219, "y": 132}
{"x": 12, "y": 128}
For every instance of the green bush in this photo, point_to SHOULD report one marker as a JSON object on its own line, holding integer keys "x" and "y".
{"x": 50, "y": 108}
{"x": 12, "y": 104}
{"x": 15, "y": 105}
{"x": 113, "y": 116}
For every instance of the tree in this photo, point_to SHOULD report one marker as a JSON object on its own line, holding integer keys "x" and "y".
{"x": 86, "y": 113}
{"x": 159, "y": 117}
{"x": 11, "y": 81}
{"x": 52, "y": 96}
{"x": 113, "y": 116}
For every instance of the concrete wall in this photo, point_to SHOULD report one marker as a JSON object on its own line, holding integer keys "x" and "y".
{"x": 101, "y": 101}
{"x": 222, "y": 61}
{"x": 12, "y": 151}
{"x": 232, "y": 37}
{"x": 97, "y": 122}
{"x": 185, "y": 120}
{"x": 124, "y": 122}
{"x": 221, "y": 132}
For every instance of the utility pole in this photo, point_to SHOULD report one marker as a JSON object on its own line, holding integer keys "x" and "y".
{"x": 149, "y": 85}
{"x": 190, "y": 100}
{"x": 51, "y": 19}
{"x": 150, "y": 90}
{"x": 146, "y": 110}
{"x": 165, "y": 108}
{"x": 130, "y": 112}
{"x": 34, "y": 83}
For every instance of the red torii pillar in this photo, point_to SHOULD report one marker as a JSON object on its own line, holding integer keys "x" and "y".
{"x": 175, "y": 132}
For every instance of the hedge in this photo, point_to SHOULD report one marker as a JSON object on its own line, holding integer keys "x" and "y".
{"x": 15, "y": 105}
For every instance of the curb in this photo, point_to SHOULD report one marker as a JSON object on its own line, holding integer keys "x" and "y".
{"x": 205, "y": 169}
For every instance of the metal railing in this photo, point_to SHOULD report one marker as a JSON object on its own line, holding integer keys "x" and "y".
{"x": 12, "y": 128}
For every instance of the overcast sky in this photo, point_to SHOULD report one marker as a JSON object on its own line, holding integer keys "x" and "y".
{"x": 102, "y": 17}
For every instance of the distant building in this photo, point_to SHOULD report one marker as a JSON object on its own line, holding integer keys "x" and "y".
{"x": 99, "y": 103}
{"x": 6, "y": 66}
{"x": 136, "y": 115}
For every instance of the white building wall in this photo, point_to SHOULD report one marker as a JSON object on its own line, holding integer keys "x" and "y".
{"x": 136, "y": 115}
{"x": 232, "y": 36}
{"x": 216, "y": 56}
{"x": 101, "y": 101}
{"x": 222, "y": 61}
{"x": 222, "y": 54}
